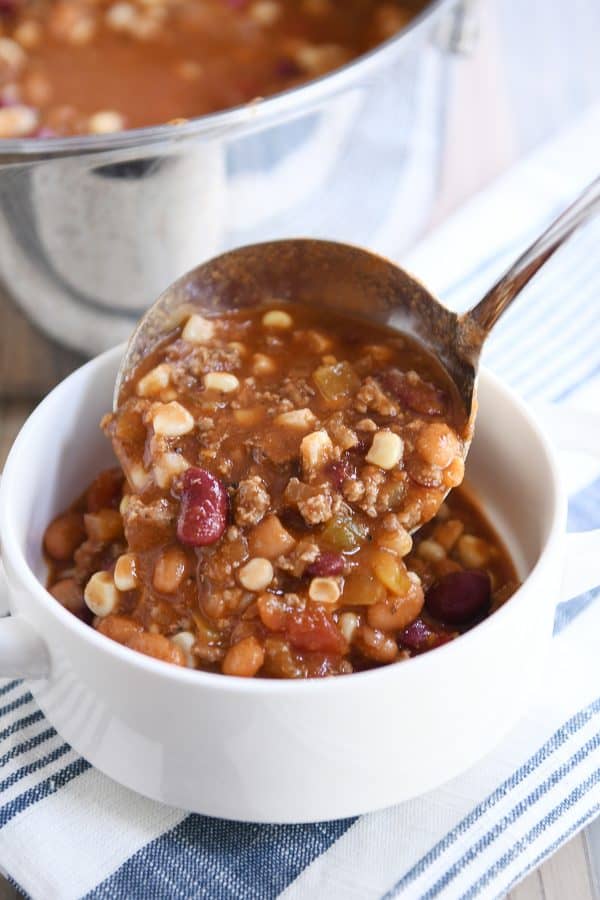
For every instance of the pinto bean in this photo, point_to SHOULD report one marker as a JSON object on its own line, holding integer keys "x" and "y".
{"x": 244, "y": 659}
{"x": 64, "y": 535}
{"x": 158, "y": 646}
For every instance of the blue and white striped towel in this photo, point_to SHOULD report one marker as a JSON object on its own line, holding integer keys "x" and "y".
{"x": 66, "y": 831}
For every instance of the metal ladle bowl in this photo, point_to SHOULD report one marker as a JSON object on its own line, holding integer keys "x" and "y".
{"x": 357, "y": 283}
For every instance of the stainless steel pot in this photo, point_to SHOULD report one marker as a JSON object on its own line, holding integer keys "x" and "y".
{"x": 92, "y": 229}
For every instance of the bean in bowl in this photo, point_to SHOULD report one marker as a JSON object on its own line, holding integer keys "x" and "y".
{"x": 273, "y": 464}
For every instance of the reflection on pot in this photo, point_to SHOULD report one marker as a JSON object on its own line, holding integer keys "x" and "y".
{"x": 90, "y": 236}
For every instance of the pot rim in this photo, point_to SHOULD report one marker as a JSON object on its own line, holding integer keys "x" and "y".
{"x": 16, "y": 562}
{"x": 247, "y": 116}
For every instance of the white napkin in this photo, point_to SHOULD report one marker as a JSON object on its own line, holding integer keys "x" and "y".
{"x": 66, "y": 831}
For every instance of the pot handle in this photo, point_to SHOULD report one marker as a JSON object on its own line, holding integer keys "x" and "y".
{"x": 23, "y": 653}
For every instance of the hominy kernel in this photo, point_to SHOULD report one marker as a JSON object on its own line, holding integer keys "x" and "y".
{"x": 172, "y": 419}
{"x": 263, "y": 365}
{"x": 324, "y": 590}
{"x": 169, "y": 570}
{"x": 155, "y": 381}
{"x": 121, "y": 16}
{"x": 386, "y": 449}
{"x": 348, "y": 624}
{"x": 12, "y": 56}
{"x": 137, "y": 477}
{"x": 17, "y": 121}
{"x": 277, "y": 318}
{"x": 167, "y": 467}
{"x": 28, "y": 34}
{"x": 185, "y": 640}
{"x": 101, "y": 595}
{"x": 125, "y": 575}
{"x": 198, "y": 330}
{"x": 473, "y": 552}
{"x": 265, "y": 12}
{"x": 106, "y": 122}
{"x": 303, "y": 419}
{"x": 315, "y": 449}
{"x": 317, "y": 59}
{"x": 256, "y": 575}
{"x": 238, "y": 347}
{"x": 431, "y": 551}
{"x": 224, "y": 382}
{"x": 366, "y": 425}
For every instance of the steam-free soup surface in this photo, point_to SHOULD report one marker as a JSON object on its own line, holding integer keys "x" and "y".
{"x": 273, "y": 463}
{"x": 78, "y": 66}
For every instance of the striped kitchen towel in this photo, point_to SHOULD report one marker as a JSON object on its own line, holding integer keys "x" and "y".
{"x": 66, "y": 831}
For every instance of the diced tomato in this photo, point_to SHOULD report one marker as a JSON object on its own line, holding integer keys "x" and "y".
{"x": 312, "y": 629}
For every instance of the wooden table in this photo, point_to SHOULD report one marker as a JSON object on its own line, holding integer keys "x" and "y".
{"x": 539, "y": 62}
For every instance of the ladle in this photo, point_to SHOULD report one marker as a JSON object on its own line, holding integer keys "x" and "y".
{"x": 358, "y": 283}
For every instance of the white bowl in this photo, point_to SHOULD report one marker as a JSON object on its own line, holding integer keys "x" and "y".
{"x": 280, "y": 751}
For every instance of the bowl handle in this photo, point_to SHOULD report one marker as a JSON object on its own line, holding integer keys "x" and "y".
{"x": 23, "y": 654}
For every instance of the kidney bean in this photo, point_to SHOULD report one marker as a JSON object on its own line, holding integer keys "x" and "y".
{"x": 419, "y": 636}
{"x": 460, "y": 597}
{"x": 9, "y": 7}
{"x": 44, "y": 132}
{"x": 204, "y": 506}
{"x": 418, "y": 395}
{"x": 287, "y": 68}
{"x": 327, "y": 564}
{"x": 338, "y": 471}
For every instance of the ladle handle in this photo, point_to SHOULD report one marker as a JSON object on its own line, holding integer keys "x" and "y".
{"x": 501, "y": 295}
